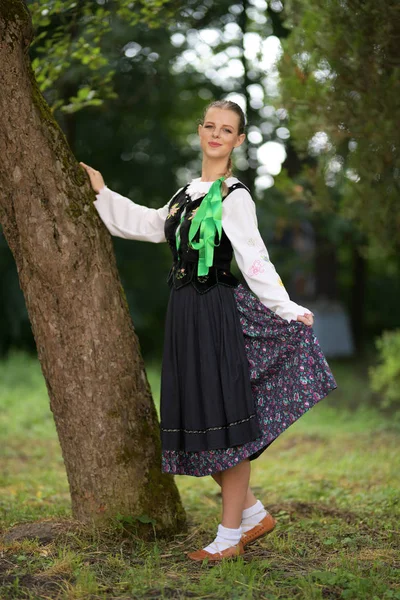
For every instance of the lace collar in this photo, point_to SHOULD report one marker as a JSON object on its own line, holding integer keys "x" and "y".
{"x": 197, "y": 188}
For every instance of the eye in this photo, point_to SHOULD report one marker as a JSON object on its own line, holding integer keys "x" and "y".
{"x": 228, "y": 130}
{"x": 207, "y": 126}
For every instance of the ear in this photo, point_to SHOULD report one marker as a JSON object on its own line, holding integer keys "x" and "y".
{"x": 240, "y": 140}
{"x": 199, "y": 128}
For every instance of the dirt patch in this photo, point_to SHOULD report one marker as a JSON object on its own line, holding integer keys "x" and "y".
{"x": 389, "y": 556}
{"x": 31, "y": 584}
{"x": 172, "y": 593}
{"x": 28, "y": 585}
{"x": 301, "y": 440}
{"x": 43, "y": 531}
{"x": 308, "y": 509}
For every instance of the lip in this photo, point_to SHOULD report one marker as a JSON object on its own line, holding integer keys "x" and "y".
{"x": 214, "y": 144}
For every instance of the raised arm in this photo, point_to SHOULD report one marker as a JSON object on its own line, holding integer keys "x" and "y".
{"x": 239, "y": 221}
{"x": 123, "y": 217}
{"x": 126, "y": 219}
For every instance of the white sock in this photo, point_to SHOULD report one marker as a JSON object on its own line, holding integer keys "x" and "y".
{"x": 253, "y": 515}
{"x": 226, "y": 537}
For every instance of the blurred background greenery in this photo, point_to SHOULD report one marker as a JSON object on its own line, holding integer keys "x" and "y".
{"x": 319, "y": 83}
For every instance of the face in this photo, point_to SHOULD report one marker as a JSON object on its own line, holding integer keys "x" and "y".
{"x": 219, "y": 133}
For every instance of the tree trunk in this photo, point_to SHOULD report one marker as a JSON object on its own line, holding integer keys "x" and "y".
{"x": 87, "y": 347}
{"x": 248, "y": 176}
{"x": 358, "y": 297}
{"x": 326, "y": 264}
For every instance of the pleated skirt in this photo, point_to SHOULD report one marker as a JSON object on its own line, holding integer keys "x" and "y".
{"x": 234, "y": 376}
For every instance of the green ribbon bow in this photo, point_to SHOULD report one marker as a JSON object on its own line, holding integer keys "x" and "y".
{"x": 208, "y": 219}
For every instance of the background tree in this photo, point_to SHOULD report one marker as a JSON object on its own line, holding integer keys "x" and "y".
{"x": 340, "y": 84}
{"x": 340, "y": 81}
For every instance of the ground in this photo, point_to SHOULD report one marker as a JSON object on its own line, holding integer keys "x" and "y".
{"x": 331, "y": 480}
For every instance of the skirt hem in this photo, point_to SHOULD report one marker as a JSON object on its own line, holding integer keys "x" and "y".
{"x": 251, "y": 453}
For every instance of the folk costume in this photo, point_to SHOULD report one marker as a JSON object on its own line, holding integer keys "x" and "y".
{"x": 238, "y": 368}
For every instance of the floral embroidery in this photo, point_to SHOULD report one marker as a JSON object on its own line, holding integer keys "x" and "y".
{"x": 180, "y": 273}
{"x": 280, "y": 282}
{"x": 193, "y": 213}
{"x": 256, "y": 268}
{"x": 265, "y": 257}
{"x": 257, "y": 243}
{"x": 172, "y": 210}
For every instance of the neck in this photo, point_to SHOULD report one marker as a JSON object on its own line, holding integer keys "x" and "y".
{"x": 212, "y": 170}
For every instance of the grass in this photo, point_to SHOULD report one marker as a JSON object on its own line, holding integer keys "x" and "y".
{"x": 332, "y": 481}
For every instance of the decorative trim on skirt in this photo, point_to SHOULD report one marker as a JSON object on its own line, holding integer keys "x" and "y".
{"x": 288, "y": 374}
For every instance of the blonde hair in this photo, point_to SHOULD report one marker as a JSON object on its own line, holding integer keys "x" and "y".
{"x": 227, "y": 105}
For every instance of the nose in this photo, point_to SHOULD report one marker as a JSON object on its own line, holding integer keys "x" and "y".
{"x": 215, "y": 133}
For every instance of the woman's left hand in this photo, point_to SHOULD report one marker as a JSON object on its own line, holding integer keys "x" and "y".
{"x": 307, "y": 319}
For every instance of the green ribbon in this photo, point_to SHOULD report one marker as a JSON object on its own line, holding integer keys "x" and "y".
{"x": 208, "y": 218}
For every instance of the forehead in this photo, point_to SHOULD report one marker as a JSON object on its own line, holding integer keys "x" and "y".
{"x": 222, "y": 116}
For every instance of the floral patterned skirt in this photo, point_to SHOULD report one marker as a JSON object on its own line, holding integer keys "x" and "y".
{"x": 288, "y": 375}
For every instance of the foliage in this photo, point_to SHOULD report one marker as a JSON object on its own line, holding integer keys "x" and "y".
{"x": 340, "y": 81}
{"x": 385, "y": 377}
{"x": 70, "y": 41}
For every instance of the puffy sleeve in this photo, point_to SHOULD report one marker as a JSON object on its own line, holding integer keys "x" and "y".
{"x": 239, "y": 221}
{"x": 126, "y": 219}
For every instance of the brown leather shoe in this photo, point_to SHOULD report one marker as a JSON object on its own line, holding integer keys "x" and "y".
{"x": 262, "y": 528}
{"x": 230, "y": 552}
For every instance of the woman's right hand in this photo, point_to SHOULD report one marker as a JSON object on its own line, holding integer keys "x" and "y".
{"x": 96, "y": 178}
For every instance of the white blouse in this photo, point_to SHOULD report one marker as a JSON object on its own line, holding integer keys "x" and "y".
{"x": 126, "y": 219}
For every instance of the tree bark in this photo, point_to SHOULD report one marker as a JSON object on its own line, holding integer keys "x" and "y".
{"x": 87, "y": 346}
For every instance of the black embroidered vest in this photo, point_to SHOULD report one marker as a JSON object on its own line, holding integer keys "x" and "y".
{"x": 184, "y": 266}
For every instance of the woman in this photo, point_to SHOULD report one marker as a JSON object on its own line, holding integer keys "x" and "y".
{"x": 239, "y": 366}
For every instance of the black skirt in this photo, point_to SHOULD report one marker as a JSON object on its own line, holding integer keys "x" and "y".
{"x": 206, "y": 397}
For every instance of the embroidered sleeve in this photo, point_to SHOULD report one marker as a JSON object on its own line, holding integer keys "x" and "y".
{"x": 239, "y": 221}
{"x": 126, "y": 219}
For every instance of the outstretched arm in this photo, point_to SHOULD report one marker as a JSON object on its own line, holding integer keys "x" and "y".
{"x": 126, "y": 219}
{"x": 123, "y": 217}
{"x": 239, "y": 221}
